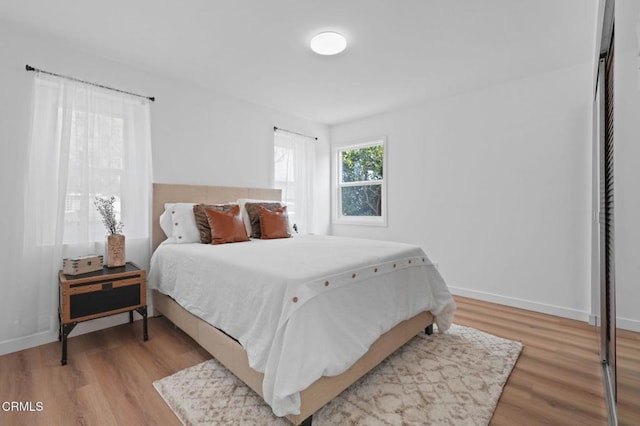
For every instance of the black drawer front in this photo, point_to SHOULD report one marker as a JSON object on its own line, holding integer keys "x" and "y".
{"x": 108, "y": 299}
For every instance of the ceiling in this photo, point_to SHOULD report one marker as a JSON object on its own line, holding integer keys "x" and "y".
{"x": 400, "y": 52}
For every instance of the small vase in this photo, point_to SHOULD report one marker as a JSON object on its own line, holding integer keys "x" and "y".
{"x": 114, "y": 251}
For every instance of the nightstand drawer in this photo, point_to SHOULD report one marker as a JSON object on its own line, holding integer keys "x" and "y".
{"x": 108, "y": 298}
{"x": 82, "y": 301}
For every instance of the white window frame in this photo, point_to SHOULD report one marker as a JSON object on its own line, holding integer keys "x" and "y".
{"x": 337, "y": 217}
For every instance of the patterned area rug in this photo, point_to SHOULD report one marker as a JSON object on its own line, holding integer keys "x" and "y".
{"x": 455, "y": 378}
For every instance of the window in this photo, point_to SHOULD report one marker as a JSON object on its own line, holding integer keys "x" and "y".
{"x": 360, "y": 188}
{"x": 294, "y": 158}
{"x": 87, "y": 142}
{"x": 283, "y": 174}
{"x": 95, "y": 169}
{"x": 84, "y": 142}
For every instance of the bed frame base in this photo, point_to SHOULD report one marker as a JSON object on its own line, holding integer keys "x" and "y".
{"x": 231, "y": 354}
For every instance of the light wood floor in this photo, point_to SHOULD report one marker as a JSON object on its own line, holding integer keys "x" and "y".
{"x": 628, "y": 357}
{"x": 556, "y": 381}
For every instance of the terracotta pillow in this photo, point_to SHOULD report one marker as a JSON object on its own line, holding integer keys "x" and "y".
{"x": 274, "y": 224}
{"x": 253, "y": 212}
{"x": 203, "y": 223}
{"x": 226, "y": 227}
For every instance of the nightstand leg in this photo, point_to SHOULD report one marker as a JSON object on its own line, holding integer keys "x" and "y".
{"x": 66, "y": 329}
{"x": 143, "y": 311}
{"x": 59, "y": 326}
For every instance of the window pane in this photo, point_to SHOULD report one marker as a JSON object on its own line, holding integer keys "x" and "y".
{"x": 364, "y": 200}
{"x": 283, "y": 166}
{"x": 96, "y": 161}
{"x": 362, "y": 164}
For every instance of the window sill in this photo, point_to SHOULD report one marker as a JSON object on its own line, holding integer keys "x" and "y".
{"x": 360, "y": 221}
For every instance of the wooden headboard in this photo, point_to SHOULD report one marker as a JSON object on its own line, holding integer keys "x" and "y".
{"x": 171, "y": 193}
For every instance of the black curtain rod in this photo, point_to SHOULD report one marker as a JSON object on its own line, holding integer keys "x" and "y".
{"x": 30, "y": 68}
{"x": 295, "y": 133}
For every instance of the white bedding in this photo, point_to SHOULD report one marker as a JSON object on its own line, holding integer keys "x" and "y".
{"x": 273, "y": 297}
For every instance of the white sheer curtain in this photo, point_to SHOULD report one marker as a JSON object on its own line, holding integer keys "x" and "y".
{"x": 294, "y": 158}
{"x": 84, "y": 142}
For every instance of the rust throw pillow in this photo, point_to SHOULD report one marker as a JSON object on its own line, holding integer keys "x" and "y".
{"x": 274, "y": 224}
{"x": 203, "y": 223}
{"x": 253, "y": 212}
{"x": 226, "y": 227}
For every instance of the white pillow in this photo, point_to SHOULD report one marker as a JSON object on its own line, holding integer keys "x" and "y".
{"x": 166, "y": 224}
{"x": 245, "y": 215}
{"x": 183, "y": 223}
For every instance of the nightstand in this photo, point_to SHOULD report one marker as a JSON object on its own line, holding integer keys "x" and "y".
{"x": 98, "y": 294}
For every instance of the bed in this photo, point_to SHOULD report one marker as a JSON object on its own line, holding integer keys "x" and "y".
{"x": 295, "y": 374}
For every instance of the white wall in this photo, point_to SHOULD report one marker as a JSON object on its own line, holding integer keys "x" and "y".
{"x": 198, "y": 136}
{"x": 495, "y": 186}
{"x": 627, "y": 165}
{"x": 202, "y": 137}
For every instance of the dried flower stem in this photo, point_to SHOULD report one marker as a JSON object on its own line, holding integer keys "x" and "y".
{"x": 105, "y": 208}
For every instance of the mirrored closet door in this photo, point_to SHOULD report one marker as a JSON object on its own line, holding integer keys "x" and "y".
{"x": 616, "y": 226}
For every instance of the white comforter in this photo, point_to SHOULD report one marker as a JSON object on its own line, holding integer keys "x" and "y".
{"x": 302, "y": 307}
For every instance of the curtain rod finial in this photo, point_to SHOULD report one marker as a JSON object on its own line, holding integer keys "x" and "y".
{"x": 29, "y": 68}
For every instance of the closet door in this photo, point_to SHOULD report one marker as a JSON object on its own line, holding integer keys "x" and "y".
{"x": 607, "y": 225}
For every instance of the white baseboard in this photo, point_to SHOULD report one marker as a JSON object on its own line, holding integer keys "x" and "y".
{"x": 628, "y": 324}
{"x": 523, "y": 304}
{"x": 21, "y": 343}
{"x": 15, "y": 345}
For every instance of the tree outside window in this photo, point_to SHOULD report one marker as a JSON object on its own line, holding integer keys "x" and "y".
{"x": 360, "y": 183}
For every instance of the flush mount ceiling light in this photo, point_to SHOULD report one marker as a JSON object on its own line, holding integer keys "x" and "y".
{"x": 328, "y": 43}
